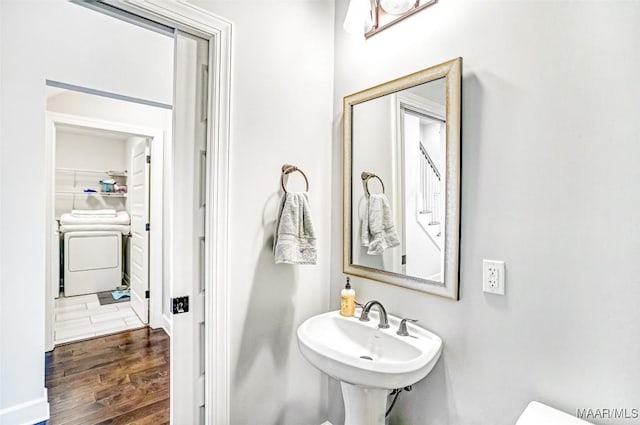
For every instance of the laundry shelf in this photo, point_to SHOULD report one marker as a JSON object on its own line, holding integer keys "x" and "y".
{"x": 107, "y": 194}
{"x": 110, "y": 173}
{"x": 83, "y": 178}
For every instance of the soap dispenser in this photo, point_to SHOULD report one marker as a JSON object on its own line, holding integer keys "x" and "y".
{"x": 347, "y": 300}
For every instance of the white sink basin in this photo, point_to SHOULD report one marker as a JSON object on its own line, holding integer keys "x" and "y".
{"x": 359, "y": 353}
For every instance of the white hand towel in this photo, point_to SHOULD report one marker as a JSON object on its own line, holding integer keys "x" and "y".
{"x": 295, "y": 240}
{"x": 378, "y": 232}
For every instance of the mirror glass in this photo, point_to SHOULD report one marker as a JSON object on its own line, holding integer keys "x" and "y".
{"x": 402, "y": 171}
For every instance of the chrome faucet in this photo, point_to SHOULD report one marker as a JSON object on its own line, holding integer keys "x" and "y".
{"x": 364, "y": 316}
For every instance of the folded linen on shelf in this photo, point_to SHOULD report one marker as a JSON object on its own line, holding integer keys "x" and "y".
{"x": 122, "y": 217}
{"x": 104, "y": 212}
{"x": 66, "y": 228}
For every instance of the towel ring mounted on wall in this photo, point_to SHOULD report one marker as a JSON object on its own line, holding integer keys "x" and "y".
{"x": 366, "y": 176}
{"x": 288, "y": 169}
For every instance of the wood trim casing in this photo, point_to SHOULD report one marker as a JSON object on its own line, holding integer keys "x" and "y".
{"x": 218, "y": 31}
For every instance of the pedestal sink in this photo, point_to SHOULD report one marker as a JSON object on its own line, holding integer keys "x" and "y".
{"x": 369, "y": 362}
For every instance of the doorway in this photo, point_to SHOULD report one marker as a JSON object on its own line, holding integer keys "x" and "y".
{"x": 202, "y": 91}
{"x": 106, "y": 187}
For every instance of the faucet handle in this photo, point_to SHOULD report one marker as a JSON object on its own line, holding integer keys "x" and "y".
{"x": 364, "y": 312}
{"x": 402, "y": 329}
{"x": 364, "y": 315}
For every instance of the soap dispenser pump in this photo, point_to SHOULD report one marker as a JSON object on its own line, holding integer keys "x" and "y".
{"x": 347, "y": 300}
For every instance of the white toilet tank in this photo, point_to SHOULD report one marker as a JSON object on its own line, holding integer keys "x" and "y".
{"x": 540, "y": 414}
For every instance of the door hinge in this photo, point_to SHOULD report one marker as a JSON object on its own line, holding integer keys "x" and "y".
{"x": 148, "y": 159}
{"x": 179, "y": 305}
{"x": 147, "y": 227}
{"x": 146, "y": 293}
{"x": 404, "y": 259}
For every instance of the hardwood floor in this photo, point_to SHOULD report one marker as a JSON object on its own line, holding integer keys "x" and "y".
{"x": 117, "y": 379}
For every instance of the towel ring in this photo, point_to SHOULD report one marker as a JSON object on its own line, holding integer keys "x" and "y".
{"x": 366, "y": 176}
{"x": 288, "y": 169}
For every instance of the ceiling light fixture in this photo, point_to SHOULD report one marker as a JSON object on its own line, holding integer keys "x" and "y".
{"x": 358, "y": 19}
{"x": 397, "y": 7}
{"x": 369, "y": 17}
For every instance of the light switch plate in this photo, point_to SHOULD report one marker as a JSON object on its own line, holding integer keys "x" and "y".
{"x": 493, "y": 276}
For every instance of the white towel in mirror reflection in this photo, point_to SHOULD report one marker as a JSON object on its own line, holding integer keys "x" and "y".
{"x": 378, "y": 232}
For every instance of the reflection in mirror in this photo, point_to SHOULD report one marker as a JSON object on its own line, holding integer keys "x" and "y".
{"x": 401, "y": 161}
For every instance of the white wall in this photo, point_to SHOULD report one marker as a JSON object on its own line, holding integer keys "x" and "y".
{"x": 54, "y": 40}
{"x": 280, "y": 113}
{"x": 107, "y": 109}
{"x": 85, "y": 151}
{"x": 549, "y": 184}
{"x": 89, "y": 152}
{"x": 373, "y": 152}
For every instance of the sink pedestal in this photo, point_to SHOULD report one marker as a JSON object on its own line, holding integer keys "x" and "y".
{"x": 364, "y": 406}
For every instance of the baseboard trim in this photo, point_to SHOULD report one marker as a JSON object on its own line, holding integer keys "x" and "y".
{"x": 28, "y": 413}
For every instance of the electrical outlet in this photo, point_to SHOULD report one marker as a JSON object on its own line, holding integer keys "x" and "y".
{"x": 493, "y": 276}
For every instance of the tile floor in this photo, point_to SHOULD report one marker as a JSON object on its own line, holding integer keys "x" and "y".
{"x": 82, "y": 317}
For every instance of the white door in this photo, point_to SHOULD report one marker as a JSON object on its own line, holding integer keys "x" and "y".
{"x": 187, "y": 244}
{"x": 138, "y": 197}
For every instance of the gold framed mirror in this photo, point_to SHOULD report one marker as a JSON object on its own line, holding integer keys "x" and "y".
{"x": 401, "y": 181}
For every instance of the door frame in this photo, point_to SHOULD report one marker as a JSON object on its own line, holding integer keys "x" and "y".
{"x": 217, "y": 31}
{"x": 420, "y": 105}
{"x": 54, "y": 119}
